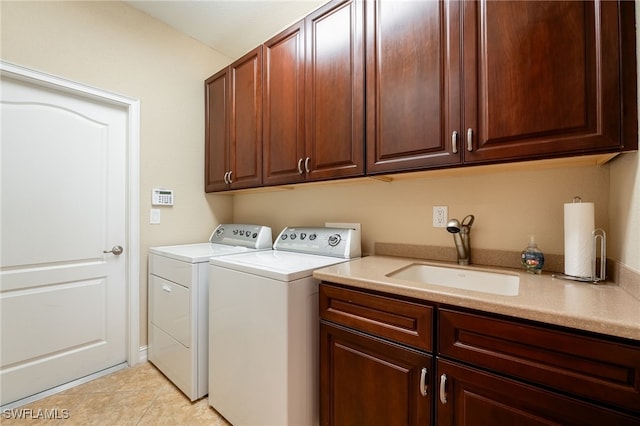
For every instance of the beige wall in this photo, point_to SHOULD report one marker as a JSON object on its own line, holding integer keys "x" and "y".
{"x": 624, "y": 209}
{"x": 508, "y": 206}
{"x": 116, "y": 48}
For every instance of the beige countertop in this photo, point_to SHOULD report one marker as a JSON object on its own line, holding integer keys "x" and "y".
{"x": 603, "y": 308}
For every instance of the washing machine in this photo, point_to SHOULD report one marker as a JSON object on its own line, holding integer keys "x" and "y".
{"x": 263, "y": 327}
{"x": 179, "y": 298}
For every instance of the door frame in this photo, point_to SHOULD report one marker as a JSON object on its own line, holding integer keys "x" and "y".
{"x": 135, "y": 354}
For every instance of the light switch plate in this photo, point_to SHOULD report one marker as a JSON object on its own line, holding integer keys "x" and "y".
{"x": 154, "y": 216}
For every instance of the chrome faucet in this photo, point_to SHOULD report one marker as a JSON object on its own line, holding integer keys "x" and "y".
{"x": 460, "y": 233}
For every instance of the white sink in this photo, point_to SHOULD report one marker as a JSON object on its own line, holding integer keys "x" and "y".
{"x": 467, "y": 279}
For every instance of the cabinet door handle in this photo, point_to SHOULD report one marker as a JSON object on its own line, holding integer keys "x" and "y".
{"x": 469, "y": 139}
{"x": 424, "y": 388}
{"x": 306, "y": 164}
{"x": 454, "y": 142}
{"x": 443, "y": 384}
{"x": 300, "y": 166}
{"x": 226, "y": 177}
{"x": 230, "y": 180}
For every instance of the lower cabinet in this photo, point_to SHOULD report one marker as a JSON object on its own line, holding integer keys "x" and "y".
{"x": 370, "y": 381}
{"x": 389, "y": 360}
{"x": 469, "y": 396}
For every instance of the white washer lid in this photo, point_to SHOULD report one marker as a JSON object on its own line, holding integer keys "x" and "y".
{"x": 197, "y": 253}
{"x": 278, "y": 265}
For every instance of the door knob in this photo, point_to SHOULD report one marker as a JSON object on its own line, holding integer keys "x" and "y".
{"x": 117, "y": 250}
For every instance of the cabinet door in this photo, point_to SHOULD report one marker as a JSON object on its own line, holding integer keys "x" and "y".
{"x": 408, "y": 103}
{"x": 540, "y": 78}
{"x": 468, "y": 397}
{"x": 368, "y": 381}
{"x": 245, "y": 121}
{"x": 334, "y": 97}
{"x": 216, "y": 142}
{"x": 283, "y": 107}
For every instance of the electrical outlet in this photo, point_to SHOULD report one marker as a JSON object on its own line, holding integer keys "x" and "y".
{"x": 439, "y": 216}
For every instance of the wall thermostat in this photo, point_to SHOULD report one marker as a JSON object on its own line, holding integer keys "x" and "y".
{"x": 162, "y": 197}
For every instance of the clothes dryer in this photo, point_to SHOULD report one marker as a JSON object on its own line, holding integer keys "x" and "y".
{"x": 179, "y": 298}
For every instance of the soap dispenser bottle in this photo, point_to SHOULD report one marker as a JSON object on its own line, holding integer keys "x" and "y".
{"x": 532, "y": 257}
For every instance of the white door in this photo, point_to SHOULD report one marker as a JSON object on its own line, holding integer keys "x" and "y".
{"x": 63, "y": 301}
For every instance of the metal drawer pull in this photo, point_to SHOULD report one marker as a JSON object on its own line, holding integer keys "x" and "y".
{"x": 300, "y": 166}
{"x": 166, "y": 288}
{"x": 225, "y": 177}
{"x": 443, "y": 384}
{"x": 469, "y": 139}
{"x": 306, "y": 164}
{"x": 230, "y": 180}
{"x": 424, "y": 388}
{"x": 454, "y": 142}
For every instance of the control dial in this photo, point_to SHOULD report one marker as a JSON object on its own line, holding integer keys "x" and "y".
{"x": 334, "y": 240}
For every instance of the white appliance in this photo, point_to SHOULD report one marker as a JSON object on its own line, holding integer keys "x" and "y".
{"x": 179, "y": 299}
{"x": 263, "y": 327}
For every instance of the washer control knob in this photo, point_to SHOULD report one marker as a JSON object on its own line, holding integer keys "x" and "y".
{"x": 334, "y": 240}
{"x": 313, "y": 236}
{"x": 292, "y": 236}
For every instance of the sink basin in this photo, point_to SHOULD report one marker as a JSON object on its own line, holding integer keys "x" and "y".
{"x": 467, "y": 279}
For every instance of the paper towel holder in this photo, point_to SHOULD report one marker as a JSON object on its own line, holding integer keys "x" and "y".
{"x": 597, "y": 235}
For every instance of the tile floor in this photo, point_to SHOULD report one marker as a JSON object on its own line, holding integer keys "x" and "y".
{"x": 138, "y": 395}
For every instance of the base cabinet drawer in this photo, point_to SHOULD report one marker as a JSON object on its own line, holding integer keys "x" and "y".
{"x": 402, "y": 321}
{"x": 585, "y": 366}
{"x": 468, "y": 396}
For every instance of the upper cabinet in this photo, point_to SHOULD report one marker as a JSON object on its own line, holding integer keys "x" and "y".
{"x": 233, "y": 125}
{"x": 539, "y": 79}
{"x": 407, "y": 99}
{"x": 314, "y": 97}
{"x": 334, "y": 91}
{"x": 443, "y": 84}
{"x": 283, "y": 107}
{"x": 475, "y": 82}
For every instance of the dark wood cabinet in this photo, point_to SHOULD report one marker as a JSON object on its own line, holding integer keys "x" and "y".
{"x": 334, "y": 94}
{"x": 408, "y": 104}
{"x": 539, "y": 79}
{"x": 216, "y": 145}
{"x": 233, "y": 125}
{"x": 283, "y": 107}
{"x": 366, "y": 380}
{"x": 470, "y": 82}
{"x": 314, "y": 97}
{"x": 379, "y": 350}
{"x": 468, "y": 396}
{"x": 585, "y": 366}
{"x": 446, "y": 84}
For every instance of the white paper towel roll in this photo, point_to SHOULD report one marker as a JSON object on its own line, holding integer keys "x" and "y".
{"x": 578, "y": 239}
